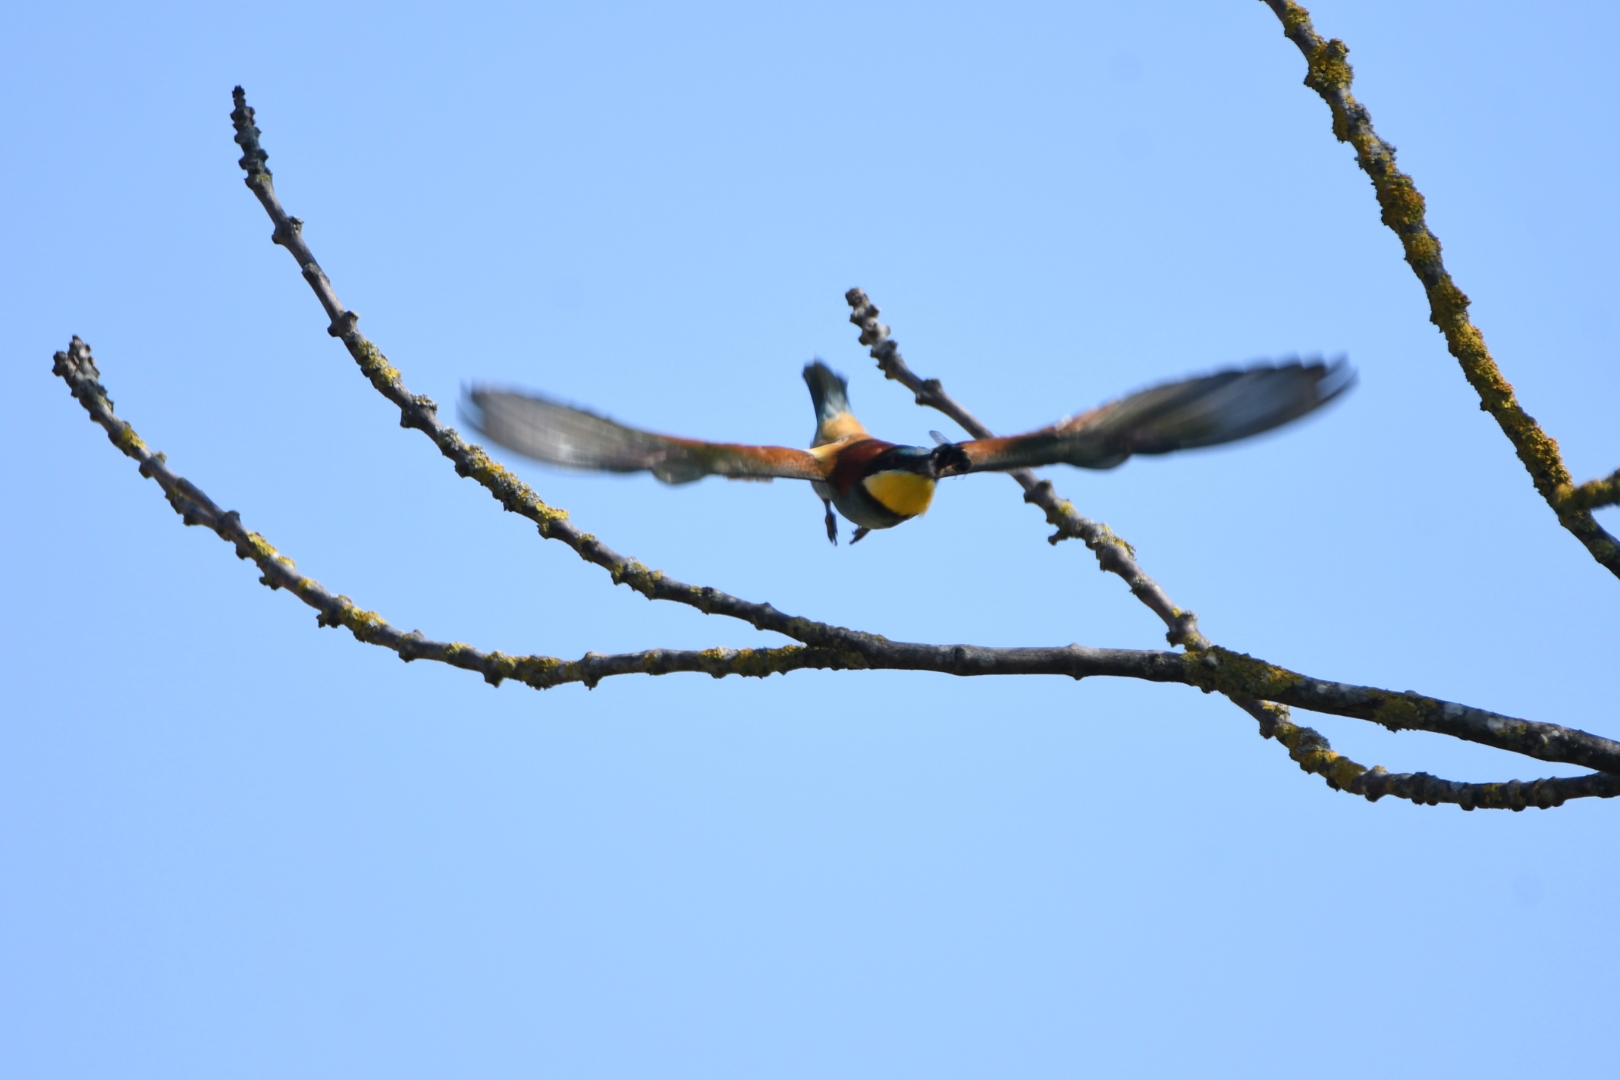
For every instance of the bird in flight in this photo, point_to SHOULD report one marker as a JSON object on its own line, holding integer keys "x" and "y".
{"x": 877, "y": 484}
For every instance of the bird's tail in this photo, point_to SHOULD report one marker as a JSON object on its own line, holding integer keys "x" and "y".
{"x": 828, "y": 390}
{"x": 830, "y": 395}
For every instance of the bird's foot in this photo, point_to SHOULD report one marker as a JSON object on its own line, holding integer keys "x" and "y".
{"x": 860, "y": 532}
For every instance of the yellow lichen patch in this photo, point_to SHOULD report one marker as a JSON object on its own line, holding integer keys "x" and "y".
{"x": 1337, "y": 770}
{"x": 262, "y": 548}
{"x": 1468, "y": 345}
{"x": 375, "y": 365}
{"x": 1287, "y": 733}
{"x": 635, "y": 574}
{"x": 759, "y": 663}
{"x": 750, "y": 663}
{"x": 129, "y": 442}
{"x": 1109, "y": 536}
{"x": 1328, "y": 68}
{"x": 1342, "y": 771}
{"x": 537, "y": 671}
{"x": 1395, "y": 711}
{"x": 1447, "y": 305}
{"x": 904, "y": 493}
{"x": 1402, "y": 203}
{"x": 1422, "y": 247}
{"x": 360, "y": 620}
{"x": 1060, "y": 513}
{"x": 1239, "y": 674}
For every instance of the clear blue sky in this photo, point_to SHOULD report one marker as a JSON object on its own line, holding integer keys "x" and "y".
{"x": 236, "y": 845}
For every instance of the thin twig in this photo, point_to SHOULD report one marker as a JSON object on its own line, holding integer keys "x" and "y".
{"x": 1329, "y": 74}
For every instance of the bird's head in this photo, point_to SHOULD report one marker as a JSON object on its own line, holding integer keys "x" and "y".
{"x": 947, "y": 459}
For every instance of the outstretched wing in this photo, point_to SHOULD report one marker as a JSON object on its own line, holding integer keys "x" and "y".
{"x": 1204, "y": 411}
{"x": 561, "y": 435}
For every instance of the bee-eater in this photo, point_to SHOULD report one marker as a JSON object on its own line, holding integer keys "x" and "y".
{"x": 878, "y": 484}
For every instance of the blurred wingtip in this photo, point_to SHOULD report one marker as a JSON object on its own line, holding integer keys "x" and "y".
{"x": 469, "y": 408}
{"x": 1344, "y": 372}
{"x": 1338, "y": 377}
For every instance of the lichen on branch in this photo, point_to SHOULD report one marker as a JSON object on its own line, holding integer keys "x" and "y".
{"x": 1328, "y": 72}
{"x": 1263, "y": 689}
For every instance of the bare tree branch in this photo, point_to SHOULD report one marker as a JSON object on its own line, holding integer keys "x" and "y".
{"x": 1328, "y": 73}
{"x": 1307, "y": 746}
{"x": 1210, "y": 670}
{"x": 421, "y": 412}
{"x": 1311, "y": 750}
{"x": 1261, "y": 688}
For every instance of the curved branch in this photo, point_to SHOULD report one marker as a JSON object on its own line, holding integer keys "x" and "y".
{"x": 421, "y": 412}
{"x": 1211, "y": 669}
{"x": 1207, "y": 667}
{"x": 1313, "y": 753}
{"x": 1329, "y": 74}
{"x": 77, "y": 368}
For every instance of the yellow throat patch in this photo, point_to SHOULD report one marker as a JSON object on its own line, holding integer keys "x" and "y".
{"x": 904, "y": 493}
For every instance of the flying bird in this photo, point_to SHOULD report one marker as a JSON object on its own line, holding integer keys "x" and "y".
{"x": 877, "y": 484}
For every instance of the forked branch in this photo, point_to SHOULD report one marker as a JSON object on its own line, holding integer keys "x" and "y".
{"x": 1260, "y": 687}
{"x": 1212, "y": 670}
